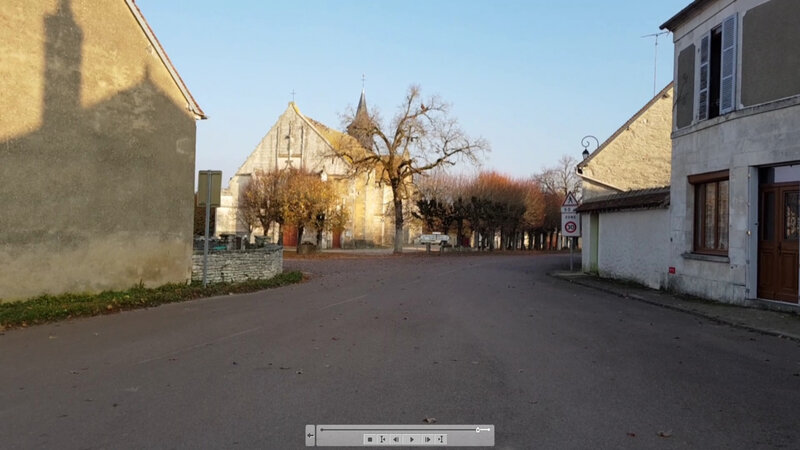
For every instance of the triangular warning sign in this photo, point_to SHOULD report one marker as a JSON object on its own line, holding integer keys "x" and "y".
{"x": 570, "y": 200}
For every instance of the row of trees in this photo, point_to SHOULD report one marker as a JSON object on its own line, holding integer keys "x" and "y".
{"x": 417, "y": 143}
{"x": 293, "y": 197}
{"x": 490, "y": 204}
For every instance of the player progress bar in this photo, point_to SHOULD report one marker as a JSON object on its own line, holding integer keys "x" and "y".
{"x": 399, "y": 435}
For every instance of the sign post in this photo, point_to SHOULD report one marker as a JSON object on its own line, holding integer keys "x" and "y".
{"x": 570, "y": 223}
{"x": 209, "y": 184}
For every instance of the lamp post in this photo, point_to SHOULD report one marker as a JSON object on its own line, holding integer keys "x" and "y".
{"x": 585, "y": 142}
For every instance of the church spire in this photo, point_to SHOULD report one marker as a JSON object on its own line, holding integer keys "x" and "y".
{"x": 361, "y": 125}
{"x": 361, "y": 111}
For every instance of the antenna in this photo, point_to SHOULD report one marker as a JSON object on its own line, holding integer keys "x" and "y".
{"x": 655, "y": 59}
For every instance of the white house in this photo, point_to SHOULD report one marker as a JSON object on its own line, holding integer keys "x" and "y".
{"x": 624, "y": 213}
{"x": 736, "y": 150}
{"x": 628, "y": 236}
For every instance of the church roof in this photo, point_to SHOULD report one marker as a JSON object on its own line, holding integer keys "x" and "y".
{"x": 341, "y": 142}
{"x": 359, "y": 128}
{"x": 361, "y": 111}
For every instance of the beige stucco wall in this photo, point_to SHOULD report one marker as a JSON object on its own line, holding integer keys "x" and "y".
{"x": 637, "y": 158}
{"x": 740, "y": 142}
{"x": 97, "y": 157}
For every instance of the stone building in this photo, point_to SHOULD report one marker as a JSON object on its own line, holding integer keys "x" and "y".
{"x": 297, "y": 141}
{"x": 735, "y": 185}
{"x": 98, "y": 147}
{"x": 625, "y": 181}
{"x": 636, "y": 156}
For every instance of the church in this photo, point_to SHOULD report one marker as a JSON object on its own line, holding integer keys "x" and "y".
{"x": 297, "y": 141}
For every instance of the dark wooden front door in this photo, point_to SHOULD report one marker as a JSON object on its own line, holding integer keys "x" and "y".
{"x": 778, "y": 242}
{"x": 337, "y": 238}
{"x": 289, "y": 236}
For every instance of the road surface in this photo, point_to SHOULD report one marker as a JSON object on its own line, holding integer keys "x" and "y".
{"x": 395, "y": 340}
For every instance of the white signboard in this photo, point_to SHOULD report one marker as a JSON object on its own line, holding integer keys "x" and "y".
{"x": 570, "y": 220}
{"x": 435, "y": 238}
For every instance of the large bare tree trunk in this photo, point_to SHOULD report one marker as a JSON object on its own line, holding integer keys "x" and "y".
{"x": 398, "y": 222}
{"x": 299, "y": 237}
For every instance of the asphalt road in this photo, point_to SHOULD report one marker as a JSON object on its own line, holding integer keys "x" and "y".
{"x": 385, "y": 340}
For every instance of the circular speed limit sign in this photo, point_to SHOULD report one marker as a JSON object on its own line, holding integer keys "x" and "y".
{"x": 570, "y": 227}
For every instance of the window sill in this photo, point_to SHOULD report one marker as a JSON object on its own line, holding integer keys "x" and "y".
{"x": 708, "y": 258}
{"x": 737, "y": 114}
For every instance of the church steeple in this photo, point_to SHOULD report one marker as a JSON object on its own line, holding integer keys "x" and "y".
{"x": 361, "y": 126}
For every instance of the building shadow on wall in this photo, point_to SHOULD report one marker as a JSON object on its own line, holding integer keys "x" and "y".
{"x": 115, "y": 167}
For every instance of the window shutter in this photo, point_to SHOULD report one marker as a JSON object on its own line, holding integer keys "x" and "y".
{"x": 727, "y": 91}
{"x": 705, "y": 75}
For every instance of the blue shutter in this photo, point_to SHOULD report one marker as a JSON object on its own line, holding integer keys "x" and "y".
{"x": 705, "y": 75}
{"x": 727, "y": 91}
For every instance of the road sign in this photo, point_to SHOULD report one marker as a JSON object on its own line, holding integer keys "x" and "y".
{"x": 570, "y": 220}
{"x": 208, "y": 195}
{"x": 569, "y": 205}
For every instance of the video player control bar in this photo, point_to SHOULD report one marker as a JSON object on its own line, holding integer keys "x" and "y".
{"x": 399, "y": 435}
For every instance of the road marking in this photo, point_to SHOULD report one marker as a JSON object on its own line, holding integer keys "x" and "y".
{"x": 202, "y": 344}
{"x": 344, "y": 301}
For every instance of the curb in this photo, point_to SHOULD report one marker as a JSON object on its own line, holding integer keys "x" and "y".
{"x": 694, "y": 312}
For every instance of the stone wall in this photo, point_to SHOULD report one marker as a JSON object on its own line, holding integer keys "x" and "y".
{"x": 637, "y": 156}
{"x": 239, "y": 265}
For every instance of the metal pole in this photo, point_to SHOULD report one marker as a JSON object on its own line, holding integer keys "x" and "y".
{"x": 571, "y": 249}
{"x": 208, "y": 219}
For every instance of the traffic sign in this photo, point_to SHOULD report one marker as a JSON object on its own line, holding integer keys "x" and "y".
{"x": 569, "y": 205}
{"x": 570, "y": 220}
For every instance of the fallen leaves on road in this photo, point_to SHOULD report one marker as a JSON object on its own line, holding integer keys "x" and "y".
{"x": 631, "y": 434}
{"x": 429, "y": 420}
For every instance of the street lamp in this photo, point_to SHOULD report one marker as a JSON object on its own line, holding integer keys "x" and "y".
{"x": 585, "y": 143}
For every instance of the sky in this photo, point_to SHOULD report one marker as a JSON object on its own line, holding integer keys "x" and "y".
{"x": 532, "y": 77}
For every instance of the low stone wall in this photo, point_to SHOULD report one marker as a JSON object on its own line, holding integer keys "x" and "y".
{"x": 239, "y": 265}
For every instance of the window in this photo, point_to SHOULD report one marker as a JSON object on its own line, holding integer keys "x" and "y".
{"x": 717, "y": 87}
{"x": 711, "y": 195}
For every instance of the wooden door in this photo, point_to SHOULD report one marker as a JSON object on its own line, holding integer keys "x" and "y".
{"x": 289, "y": 236}
{"x": 337, "y": 238}
{"x": 778, "y": 263}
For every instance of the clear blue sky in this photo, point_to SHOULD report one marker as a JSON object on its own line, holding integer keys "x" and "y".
{"x": 532, "y": 77}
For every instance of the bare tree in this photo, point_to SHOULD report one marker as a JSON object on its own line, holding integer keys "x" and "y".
{"x": 561, "y": 178}
{"x": 421, "y": 137}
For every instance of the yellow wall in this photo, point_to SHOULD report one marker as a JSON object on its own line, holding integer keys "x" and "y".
{"x": 638, "y": 158}
{"x": 96, "y": 152}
